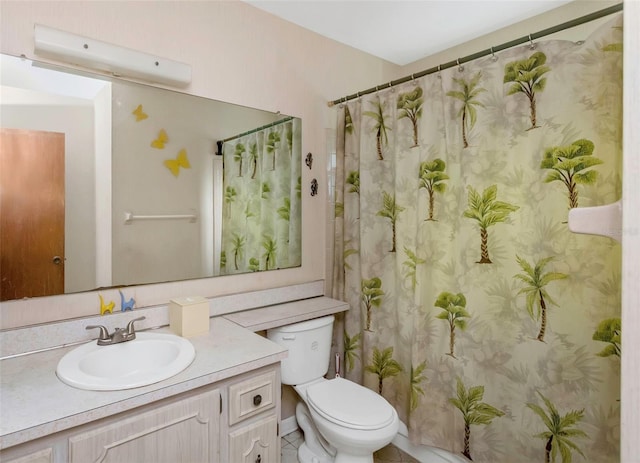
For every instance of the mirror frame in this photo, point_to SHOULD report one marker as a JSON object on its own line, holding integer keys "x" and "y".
{"x": 146, "y": 294}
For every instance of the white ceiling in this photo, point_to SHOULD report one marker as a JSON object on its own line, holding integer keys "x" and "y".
{"x": 402, "y": 31}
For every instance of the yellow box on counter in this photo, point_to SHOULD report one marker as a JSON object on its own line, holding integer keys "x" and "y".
{"x": 189, "y": 316}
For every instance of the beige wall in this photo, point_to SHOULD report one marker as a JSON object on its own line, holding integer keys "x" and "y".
{"x": 243, "y": 55}
{"x": 229, "y": 44}
{"x": 630, "y": 394}
{"x": 238, "y": 54}
{"x": 535, "y": 24}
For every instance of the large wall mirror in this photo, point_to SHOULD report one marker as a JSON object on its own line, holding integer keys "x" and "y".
{"x": 109, "y": 183}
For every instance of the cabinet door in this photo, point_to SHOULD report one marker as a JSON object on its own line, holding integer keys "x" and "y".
{"x": 255, "y": 443}
{"x": 42, "y": 456}
{"x": 185, "y": 431}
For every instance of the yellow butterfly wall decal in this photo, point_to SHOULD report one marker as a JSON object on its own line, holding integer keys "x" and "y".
{"x": 180, "y": 161}
{"x": 139, "y": 113}
{"x": 161, "y": 140}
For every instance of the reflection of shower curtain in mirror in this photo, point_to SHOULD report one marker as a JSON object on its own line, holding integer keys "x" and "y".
{"x": 262, "y": 200}
{"x": 493, "y": 330}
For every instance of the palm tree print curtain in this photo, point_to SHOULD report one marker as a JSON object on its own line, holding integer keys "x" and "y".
{"x": 261, "y": 200}
{"x": 493, "y": 330}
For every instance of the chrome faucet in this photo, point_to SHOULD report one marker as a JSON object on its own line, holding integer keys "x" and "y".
{"x": 119, "y": 334}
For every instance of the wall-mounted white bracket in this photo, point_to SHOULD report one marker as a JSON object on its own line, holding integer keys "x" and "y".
{"x": 599, "y": 220}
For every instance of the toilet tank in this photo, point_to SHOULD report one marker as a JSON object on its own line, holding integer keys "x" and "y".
{"x": 309, "y": 345}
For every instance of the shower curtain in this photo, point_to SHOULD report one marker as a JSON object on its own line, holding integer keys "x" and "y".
{"x": 493, "y": 330}
{"x": 261, "y": 183}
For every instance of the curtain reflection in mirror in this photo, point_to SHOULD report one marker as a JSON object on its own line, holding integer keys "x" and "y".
{"x": 262, "y": 196}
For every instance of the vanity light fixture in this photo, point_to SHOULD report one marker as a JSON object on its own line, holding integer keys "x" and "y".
{"x": 119, "y": 61}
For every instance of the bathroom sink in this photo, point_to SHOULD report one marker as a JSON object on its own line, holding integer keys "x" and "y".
{"x": 149, "y": 358}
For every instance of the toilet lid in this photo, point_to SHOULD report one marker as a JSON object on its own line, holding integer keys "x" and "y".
{"x": 350, "y": 405}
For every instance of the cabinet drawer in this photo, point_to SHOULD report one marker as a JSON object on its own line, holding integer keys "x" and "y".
{"x": 251, "y": 397}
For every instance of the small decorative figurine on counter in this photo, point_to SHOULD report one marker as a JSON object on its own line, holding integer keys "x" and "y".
{"x": 104, "y": 308}
{"x": 126, "y": 305}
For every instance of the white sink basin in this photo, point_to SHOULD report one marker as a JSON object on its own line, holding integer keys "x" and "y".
{"x": 149, "y": 358}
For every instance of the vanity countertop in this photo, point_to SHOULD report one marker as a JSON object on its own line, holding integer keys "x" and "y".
{"x": 35, "y": 403}
{"x": 277, "y": 315}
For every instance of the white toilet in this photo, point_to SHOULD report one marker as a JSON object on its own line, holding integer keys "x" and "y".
{"x": 342, "y": 421}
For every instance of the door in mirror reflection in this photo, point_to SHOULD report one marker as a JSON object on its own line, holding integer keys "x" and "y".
{"x": 32, "y": 201}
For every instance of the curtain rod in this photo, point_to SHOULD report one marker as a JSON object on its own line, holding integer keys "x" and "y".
{"x": 490, "y": 51}
{"x": 281, "y": 121}
{"x": 221, "y": 142}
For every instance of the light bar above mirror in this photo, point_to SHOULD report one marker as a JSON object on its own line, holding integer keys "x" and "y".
{"x": 103, "y": 56}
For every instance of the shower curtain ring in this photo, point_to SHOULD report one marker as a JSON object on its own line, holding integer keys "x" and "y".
{"x": 493, "y": 55}
{"x": 460, "y": 67}
{"x": 531, "y": 45}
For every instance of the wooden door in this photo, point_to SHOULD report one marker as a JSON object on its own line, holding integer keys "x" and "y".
{"x": 31, "y": 213}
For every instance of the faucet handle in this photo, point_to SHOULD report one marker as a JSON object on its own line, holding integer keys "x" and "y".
{"x": 104, "y": 333}
{"x": 131, "y": 331}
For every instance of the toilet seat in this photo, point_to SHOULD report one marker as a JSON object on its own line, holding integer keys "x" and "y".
{"x": 350, "y": 405}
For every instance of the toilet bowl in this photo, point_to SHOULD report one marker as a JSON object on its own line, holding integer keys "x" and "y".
{"x": 353, "y": 419}
{"x": 342, "y": 421}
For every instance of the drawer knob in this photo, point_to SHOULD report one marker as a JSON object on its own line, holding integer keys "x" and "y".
{"x": 257, "y": 400}
{"x": 259, "y": 459}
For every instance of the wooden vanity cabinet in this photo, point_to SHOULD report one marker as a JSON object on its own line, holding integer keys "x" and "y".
{"x": 232, "y": 421}
{"x": 187, "y": 431}
{"x": 254, "y": 412}
{"x": 44, "y": 455}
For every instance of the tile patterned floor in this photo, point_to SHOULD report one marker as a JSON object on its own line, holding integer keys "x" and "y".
{"x": 388, "y": 454}
{"x": 289, "y": 447}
